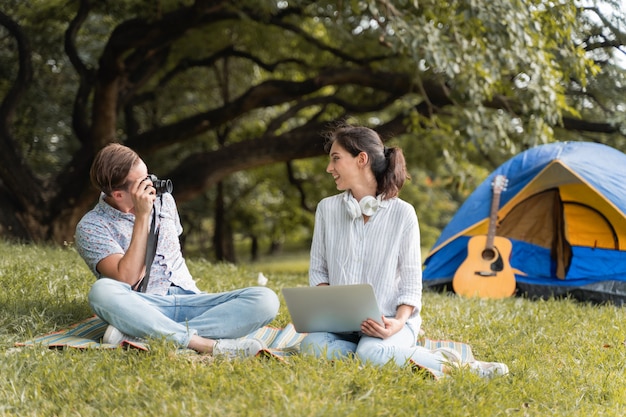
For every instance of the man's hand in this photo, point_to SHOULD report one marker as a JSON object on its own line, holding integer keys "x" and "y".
{"x": 143, "y": 195}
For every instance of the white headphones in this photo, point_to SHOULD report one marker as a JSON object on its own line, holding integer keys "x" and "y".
{"x": 367, "y": 206}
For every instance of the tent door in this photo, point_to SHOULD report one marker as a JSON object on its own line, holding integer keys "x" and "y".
{"x": 540, "y": 220}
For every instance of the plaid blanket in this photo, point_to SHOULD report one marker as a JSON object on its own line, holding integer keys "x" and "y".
{"x": 89, "y": 333}
{"x": 280, "y": 342}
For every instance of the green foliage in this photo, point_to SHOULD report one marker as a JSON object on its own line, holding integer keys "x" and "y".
{"x": 465, "y": 84}
{"x": 566, "y": 358}
{"x": 261, "y": 205}
{"x": 521, "y": 50}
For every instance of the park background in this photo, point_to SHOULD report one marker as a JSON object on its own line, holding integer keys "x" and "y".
{"x": 230, "y": 100}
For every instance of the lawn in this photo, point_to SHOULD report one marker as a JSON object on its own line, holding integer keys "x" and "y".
{"x": 566, "y": 358}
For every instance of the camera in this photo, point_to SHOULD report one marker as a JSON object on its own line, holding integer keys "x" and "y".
{"x": 161, "y": 186}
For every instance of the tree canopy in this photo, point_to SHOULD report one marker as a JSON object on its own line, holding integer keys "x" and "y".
{"x": 206, "y": 89}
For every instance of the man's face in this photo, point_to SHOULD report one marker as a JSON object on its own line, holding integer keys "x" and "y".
{"x": 122, "y": 199}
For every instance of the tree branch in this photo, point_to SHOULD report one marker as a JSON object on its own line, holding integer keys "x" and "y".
{"x": 86, "y": 76}
{"x": 203, "y": 170}
{"x": 298, "y": 185}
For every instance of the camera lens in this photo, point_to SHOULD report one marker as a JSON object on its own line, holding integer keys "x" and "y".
{"x": 161, "y": 186}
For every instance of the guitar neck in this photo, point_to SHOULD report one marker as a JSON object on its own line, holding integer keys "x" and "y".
{"x": 493, "y": 219}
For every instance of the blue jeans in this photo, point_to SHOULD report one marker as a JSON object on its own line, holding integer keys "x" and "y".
{"x": 399, "y": 348}
{"x": 180, "y": 314}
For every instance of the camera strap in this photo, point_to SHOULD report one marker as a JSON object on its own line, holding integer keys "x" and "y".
{"x": 153, "y": 237}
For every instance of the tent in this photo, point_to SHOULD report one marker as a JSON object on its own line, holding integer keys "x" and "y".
{"x": 563, "y": 210}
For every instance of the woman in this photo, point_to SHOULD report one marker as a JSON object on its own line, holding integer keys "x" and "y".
{"x": 368, "y": 235}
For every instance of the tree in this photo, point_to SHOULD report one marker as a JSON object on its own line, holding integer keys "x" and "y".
{"x": 207, "y": 88}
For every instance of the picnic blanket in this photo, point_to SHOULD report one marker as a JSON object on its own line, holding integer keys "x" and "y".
{"x": 89, "y": 333}
{"x": 280, "y": 342}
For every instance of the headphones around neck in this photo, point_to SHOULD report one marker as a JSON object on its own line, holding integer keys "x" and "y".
{"x": 367, "y": 206}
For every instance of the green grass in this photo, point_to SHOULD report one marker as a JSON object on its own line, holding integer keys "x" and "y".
{"x": 566, "y": 358}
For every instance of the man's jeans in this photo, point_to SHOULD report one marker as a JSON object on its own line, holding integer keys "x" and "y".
{"x": 180, "y": 314}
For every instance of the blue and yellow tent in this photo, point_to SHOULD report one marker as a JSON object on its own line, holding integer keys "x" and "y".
{"x": 564, "y": 210}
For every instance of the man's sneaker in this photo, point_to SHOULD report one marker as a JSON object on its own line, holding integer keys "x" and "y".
{"x": 112, "y": 336}
{"x": 488, "y": 369}
{"x": 237, "y": 348}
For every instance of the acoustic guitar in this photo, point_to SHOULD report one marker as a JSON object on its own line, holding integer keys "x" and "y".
{"x": 486, "y": 271}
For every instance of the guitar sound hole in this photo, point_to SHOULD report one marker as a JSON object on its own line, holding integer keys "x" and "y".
{"x": 489, "y": 254}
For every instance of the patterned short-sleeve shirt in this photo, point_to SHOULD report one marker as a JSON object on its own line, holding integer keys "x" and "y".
{"x": 105, "y": 231}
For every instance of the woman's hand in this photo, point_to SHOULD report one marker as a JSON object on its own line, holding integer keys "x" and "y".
{"x": 390, "y": 327}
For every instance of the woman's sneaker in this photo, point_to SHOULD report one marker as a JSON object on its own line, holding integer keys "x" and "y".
{"x": 482, "y": 369}
{"x": 237, "y": 348}
{"x": 450, "y": 356}
{"x": 488, "y": 369}
{"x": 113, "y": 336}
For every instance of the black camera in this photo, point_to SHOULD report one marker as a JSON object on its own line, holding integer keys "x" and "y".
{"x": 161, "y": 186}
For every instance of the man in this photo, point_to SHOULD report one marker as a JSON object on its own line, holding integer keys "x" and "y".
{"x": 113, "y": 240}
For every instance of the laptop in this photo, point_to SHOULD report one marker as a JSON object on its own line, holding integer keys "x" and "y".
{"x": 331, "y": 308}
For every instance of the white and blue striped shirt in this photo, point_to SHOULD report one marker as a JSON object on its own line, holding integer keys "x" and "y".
{"x": 384, "y": 252}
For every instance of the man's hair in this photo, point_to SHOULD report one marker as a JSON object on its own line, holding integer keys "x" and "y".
{"x": 111, "y": 167}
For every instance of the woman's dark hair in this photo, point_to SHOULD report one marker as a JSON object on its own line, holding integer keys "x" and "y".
{"x": 388, "y": 164}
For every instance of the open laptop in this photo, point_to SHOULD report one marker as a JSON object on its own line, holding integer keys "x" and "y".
{"x": 331, "y": 308}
